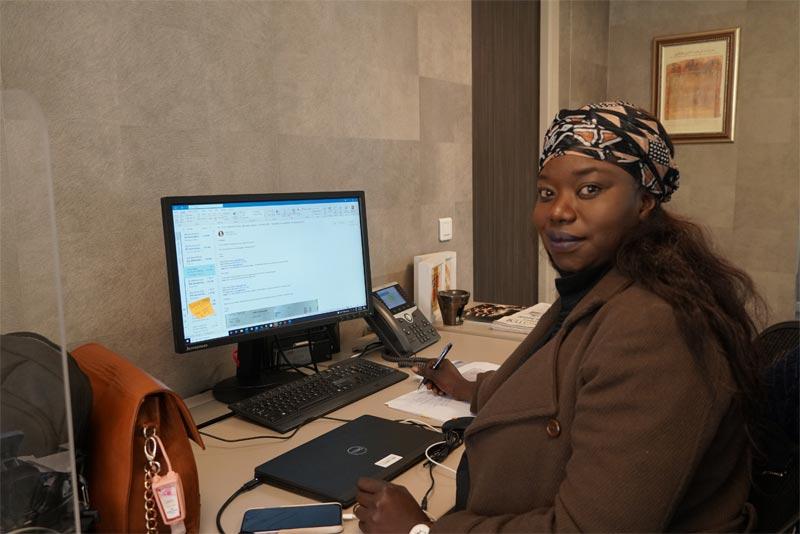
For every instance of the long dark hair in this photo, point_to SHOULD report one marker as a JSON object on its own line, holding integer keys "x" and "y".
{"x": 712, "y": 299}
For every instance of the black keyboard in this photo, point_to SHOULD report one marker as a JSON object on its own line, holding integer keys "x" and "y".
{"x": 290, "y": 405}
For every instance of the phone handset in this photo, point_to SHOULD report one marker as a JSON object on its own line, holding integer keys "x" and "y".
{"x": 396, "y": 320}
{"x": 390, "y": 330}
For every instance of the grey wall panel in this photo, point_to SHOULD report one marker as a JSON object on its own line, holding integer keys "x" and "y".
{"x": 145, "y": 99}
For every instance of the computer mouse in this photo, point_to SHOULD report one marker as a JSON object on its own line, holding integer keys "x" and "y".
{"x": 459, "y": 424}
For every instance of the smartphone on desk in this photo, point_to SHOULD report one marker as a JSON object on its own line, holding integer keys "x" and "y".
{"x": 325, "y": 518}
{"x": 396, "y": 320}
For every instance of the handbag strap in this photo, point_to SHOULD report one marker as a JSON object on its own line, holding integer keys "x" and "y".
{"x": 151, "y": 469}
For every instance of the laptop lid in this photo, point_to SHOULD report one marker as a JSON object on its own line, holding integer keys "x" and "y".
{"x": 327, "y": 468}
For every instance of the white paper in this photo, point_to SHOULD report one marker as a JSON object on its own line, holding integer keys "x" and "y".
{"x": 523, "y": 321}
{"x": 440, "y": 408}
{"x": 471, "y": 370}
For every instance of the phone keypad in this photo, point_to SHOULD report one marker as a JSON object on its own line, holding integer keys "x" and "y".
{"x": 425, "y": 332}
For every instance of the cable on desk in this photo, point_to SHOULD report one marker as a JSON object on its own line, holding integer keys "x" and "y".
{"x": 336, "y": 419}
{"x": 439, "y": 451}
{"x": 215, "y": 420}
{"x": 286, "y": 359}
{"x": 417, "y": 422}
{"x": 372, "y": 347}
{"x": 252, "y": 437}
{"x": 247, "y": 486}
{"x": 290, "y": 436}
{"x": 424, "y": 502}
{"x": 442, "y": 451}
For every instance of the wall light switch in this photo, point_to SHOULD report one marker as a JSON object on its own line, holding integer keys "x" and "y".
{"x": 446, "y": 229}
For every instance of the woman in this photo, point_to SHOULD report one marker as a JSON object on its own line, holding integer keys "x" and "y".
{"x": 625, "y": 409}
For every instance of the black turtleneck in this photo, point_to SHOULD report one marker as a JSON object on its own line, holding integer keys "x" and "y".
{"x": 571, "y": 287}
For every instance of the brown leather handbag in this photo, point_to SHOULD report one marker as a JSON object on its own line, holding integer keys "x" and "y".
{"x": 127, "y": 399}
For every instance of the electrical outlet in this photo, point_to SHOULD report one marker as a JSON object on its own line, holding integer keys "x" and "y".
{"x": 445, "y": 229}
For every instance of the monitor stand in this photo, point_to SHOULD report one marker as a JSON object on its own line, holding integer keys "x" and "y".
{"x": 255, "y": 373}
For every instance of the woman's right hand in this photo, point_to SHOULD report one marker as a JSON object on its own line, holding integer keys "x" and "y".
{"x": 446, "y": 380}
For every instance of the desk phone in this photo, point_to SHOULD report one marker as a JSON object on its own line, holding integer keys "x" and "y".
{"x": 396, "y": 320}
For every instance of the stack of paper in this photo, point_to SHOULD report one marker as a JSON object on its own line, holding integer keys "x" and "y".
{"x": 523, "y": 321}
{"x": 441, "y": 408}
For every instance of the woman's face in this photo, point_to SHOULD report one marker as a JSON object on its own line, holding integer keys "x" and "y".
{"x": 584, "y": 209}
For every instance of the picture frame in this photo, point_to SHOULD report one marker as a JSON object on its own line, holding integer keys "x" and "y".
{"x": 694, "y": 79}
{"x": 433, "y": 272}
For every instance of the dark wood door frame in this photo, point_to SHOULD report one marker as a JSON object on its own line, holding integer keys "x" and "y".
{"x": 505, "y": 141}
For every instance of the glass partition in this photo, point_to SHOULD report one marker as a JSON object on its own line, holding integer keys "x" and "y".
{"x": 38, "y": 472}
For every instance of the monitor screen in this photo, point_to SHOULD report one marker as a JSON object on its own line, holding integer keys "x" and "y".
{"x": 248, "y": 266}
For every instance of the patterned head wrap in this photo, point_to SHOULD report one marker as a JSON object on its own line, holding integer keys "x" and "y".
{"x": 619, "y": 133}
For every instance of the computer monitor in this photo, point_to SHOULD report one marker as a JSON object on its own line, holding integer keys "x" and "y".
{"x": 245, "y": 268}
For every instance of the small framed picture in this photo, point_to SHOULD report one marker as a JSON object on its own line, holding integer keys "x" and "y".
{"x": 694, "y": 85}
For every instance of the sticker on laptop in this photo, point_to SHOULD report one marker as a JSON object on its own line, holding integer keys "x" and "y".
{"x": 388, "y": 460}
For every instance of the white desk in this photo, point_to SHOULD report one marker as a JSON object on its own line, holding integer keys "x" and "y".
{"x": 223, "y": 467}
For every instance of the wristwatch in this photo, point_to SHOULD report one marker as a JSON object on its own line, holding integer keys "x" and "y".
{"x": 422, "y": 528}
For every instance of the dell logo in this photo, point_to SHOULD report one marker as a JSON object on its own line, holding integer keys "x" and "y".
{"x": 356, "y": 450}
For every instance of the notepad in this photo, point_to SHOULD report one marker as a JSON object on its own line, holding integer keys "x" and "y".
{"x": 440, "y": 408}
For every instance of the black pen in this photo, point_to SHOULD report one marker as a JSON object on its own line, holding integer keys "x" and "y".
{"x": 437, "y": 363}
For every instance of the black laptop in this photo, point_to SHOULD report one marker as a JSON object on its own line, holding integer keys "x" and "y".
{"x": 327, "y": 468}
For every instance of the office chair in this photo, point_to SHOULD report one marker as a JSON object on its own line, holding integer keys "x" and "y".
{"x": 775, "y": 464}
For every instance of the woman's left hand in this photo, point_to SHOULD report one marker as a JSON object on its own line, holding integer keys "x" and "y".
{"x": 384, "y": 507}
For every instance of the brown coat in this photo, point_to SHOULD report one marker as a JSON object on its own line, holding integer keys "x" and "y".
{"x": 611, "y": 426}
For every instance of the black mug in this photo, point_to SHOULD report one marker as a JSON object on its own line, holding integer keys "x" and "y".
{"x": 452, "y": 303}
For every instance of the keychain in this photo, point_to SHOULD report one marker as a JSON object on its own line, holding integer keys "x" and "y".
{"x": 166, "y": 491}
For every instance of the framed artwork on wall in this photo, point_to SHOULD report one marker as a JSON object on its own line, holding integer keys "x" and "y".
{"x": 694, "y": 85}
